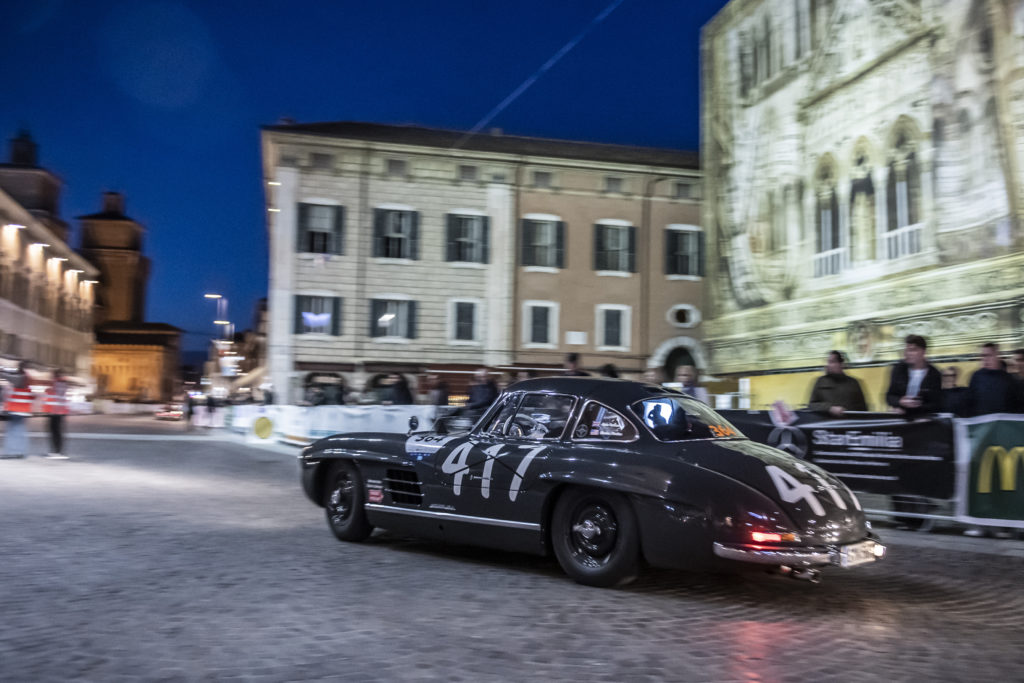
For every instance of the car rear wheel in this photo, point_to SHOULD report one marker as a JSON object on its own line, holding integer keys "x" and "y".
{"x": 594, "y": 536}
{"x": 343, "y": 503}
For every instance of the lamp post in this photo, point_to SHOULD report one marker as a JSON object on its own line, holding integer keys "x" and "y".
{"x": 222, "y": 310}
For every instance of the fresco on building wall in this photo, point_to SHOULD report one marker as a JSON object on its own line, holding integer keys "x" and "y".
{"x": 852, "y": 142}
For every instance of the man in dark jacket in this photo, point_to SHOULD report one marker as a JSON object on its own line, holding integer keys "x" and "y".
{"x": 835, "y": 392}
{"x": 992, "y": 389}
{"x": 915, "y": 385}
{"x": 482, "y": 392}
{"x": 952, "y": 395}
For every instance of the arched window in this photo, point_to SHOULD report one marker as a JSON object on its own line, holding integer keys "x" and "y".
{"x": 903, "y": 196}
{"x": 828, "y": 260}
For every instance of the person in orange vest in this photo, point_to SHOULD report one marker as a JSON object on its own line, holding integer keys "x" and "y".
{"x": 18, "y": 406}
{"x": 56, "y": 407}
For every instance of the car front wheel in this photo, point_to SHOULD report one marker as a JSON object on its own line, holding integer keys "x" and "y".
{"x": 594, "y": 536}
{"x": 343, "y": 503}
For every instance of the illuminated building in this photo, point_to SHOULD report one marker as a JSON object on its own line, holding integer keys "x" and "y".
{"x": 862, "y": 163}
{"x": 46, "y": 289}
{"x": 132, "y": 359}
{"x": 406, "y": 249}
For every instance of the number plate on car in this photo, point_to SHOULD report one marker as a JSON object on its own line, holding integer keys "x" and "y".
{"x": 857, "y": 553}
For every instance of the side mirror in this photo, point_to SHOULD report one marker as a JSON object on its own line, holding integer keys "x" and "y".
{"x": 414, "y": 422}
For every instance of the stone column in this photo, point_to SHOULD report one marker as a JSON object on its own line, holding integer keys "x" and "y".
{"x": 929, "y": 227}
{"x": 880, "y": 179}
{"x": 843, "y": 200}
{"x": 809, "y": 238}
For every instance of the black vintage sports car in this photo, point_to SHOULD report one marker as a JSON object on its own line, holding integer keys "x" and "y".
{"x": 602, "y": 473}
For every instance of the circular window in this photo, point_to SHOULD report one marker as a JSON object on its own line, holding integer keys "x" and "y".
{"x": 683, "y": 315}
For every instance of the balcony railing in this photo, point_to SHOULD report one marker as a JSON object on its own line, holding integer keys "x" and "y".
{"x": 829, "y": 262}
{"x": 903, "y": 241}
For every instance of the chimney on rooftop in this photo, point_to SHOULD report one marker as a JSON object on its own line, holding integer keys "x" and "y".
{"x": 24, "y": 150}
{"x": 113, "y": 202}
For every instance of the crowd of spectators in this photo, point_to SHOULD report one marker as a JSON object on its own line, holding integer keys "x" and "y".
{"x": 916, "y": 387}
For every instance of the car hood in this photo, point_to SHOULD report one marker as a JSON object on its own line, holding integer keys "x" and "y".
{"x": 823, "y": 508}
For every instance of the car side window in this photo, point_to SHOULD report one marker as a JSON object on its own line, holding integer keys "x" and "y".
{"x": 675, "y": 418}
{"x": 598, "y": 422}
{"x": 541, "y": 416}
{"x": 502, "y": 416}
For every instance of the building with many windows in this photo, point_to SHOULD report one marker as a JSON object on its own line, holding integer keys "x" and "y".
{"x": 46, "y": 288}
{"x": 406, "y": 249}
{"x": 862, "y": 164}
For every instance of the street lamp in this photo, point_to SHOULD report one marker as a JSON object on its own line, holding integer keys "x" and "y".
{"x": 222, "y": 309}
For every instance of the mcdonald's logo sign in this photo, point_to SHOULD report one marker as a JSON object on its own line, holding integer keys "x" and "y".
{"x": 1007, "y": 461}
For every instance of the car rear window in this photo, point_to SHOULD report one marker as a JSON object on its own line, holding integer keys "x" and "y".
{"x": 677, "y": 418}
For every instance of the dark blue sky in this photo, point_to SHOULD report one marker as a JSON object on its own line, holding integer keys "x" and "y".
{"x": 162, "y": 100}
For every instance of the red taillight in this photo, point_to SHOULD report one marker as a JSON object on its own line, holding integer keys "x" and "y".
{"x": 761, "y": 537}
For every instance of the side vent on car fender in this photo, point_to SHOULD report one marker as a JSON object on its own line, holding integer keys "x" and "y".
{"x": 404, "y": 486}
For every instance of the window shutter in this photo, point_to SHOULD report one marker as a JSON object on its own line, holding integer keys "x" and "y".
{"x": 300, "y": 304}
{"x": 527, "y": 235}
{"x": 485, "y": 238}
{"x": 560, "y": 245}
{"x": 670, "y": 252}
{"x": 376, "y": 311}
{"x": 339, "y": 230}
{"x": 414, "y": 235}
{"x": 411, "y": 333}
{"x": 598, "y": 247}
{"x": 632, "y": 248}
{"x": 336, "y": 316}
{"x": 301, "y": 241}
{"x": 450, "y": 251}
{"x": 378, "y": 231}
{"x": 700, "y": 254}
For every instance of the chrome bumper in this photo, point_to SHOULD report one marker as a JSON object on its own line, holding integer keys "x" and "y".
{"x": 791, "y": 557}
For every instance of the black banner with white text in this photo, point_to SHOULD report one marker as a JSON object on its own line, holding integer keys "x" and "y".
{"x": 872, "y": 453}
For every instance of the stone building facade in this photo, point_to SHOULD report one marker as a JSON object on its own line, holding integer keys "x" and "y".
{"x": 132, "y": 359}
{"x": 862, "y": 165}
{"x": 406, "y": 249}
{"x": 46, "y": 288}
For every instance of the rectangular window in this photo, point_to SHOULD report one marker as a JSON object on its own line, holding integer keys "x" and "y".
{"x": 393, "y": 318}
{"x": 465, "y": 321}
{"x": 615, "y": 248}
{"x": 612, "y": 184}
{"x": 468, "y": 173}
{"x": 682, "y": 190}
{"x": 395, "y": 233}
{"x": 467, "y": 238}
{"x": 540, "y": 332}
{"x": 613, "y": 327}
{"x": 684, "y": 252}
{"x": 321, "y": 161}
{"x": 543, "y": 243}
{"x": 542, "y": 179}
{"x": 321, "y": 229}
{"x": 317, "y": 314}
{"x": 396, "y": 168}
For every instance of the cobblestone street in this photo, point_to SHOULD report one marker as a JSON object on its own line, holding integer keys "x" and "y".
{"x": 188, "y": 556}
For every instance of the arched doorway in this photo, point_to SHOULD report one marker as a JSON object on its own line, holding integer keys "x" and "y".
{"x": 679, "y": 356}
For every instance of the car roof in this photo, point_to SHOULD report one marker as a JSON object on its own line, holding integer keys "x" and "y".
{"x": 613, "y": 392}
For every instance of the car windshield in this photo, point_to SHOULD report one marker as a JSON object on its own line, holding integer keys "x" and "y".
{"x": 676, "y": 418}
